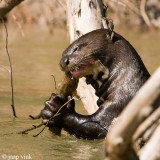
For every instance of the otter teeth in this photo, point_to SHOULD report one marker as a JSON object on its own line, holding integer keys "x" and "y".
{"x": 76, "y": 68}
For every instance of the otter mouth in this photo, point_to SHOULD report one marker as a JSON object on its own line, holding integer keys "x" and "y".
{"x": 82, "y": 70}
{"x": 86, "y": 67}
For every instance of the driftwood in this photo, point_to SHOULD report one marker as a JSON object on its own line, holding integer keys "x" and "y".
{"x": 119, "y": 139}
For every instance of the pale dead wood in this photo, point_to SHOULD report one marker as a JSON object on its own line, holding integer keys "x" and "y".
{"x": 155, "y": 116}
{"x": 151, "y": 150}
{"x": 139, "y": 9}
{"x": 19, "y": 25}
{"x": 119, "y": 139}
{"x": 83, "y": 17}
{"x": 87, "y": 92}
{"x": 147, "y": 135}
{"x": 128, "y": 4}
{"x": 7, "y": 5}
{"x": 61, "y": 4}
{"x": 144, "y": 14}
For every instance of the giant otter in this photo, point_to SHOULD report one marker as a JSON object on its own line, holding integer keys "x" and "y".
{"x": 113, "y": 67}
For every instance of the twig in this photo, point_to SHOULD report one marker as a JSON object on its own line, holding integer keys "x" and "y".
{"x": 40, "y": 131}
{"x": 30, "y": 129}
{"x": 57, "y": 114}
{"x": 55, "y": 85}
{"x": 12, "y": 91}
{"x": 35, "y": 117}
{"x": 5, "y": 68}
{"x": 46, "y": 122}
{"x": 39, "y": 115}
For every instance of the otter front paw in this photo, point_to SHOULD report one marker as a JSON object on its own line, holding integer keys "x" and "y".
{"x": 55, "y": 109}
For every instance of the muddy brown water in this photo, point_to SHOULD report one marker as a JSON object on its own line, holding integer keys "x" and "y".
{"x": 35, "y": 58}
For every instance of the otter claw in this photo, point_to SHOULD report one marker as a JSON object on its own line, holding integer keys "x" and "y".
{"x": 45, "y": 121}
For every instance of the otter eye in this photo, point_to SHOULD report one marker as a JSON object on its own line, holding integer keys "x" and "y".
{"x": 75, "y": 49}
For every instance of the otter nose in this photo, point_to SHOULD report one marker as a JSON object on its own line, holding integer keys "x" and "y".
{"x": 66, "y": 61}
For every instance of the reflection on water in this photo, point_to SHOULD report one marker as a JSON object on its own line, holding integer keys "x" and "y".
{"x": 34, "y": 59}
{"x": 45, "y": 146}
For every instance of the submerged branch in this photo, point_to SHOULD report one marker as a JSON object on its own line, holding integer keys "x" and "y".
{"x": 30, "y": 129}
{"x": 35, "y": 117}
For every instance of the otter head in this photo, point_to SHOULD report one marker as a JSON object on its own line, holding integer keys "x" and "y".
{"x": 83, "y": 56}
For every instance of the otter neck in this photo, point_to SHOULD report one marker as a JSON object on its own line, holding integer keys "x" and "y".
{"x": 122, "y": 79}
{"x": 99, "y": 79}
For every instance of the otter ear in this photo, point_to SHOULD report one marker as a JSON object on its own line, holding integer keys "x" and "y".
{"x": 110, "y": 36}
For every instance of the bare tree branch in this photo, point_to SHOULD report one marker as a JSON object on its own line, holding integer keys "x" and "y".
{"x": 7, "y": 5}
